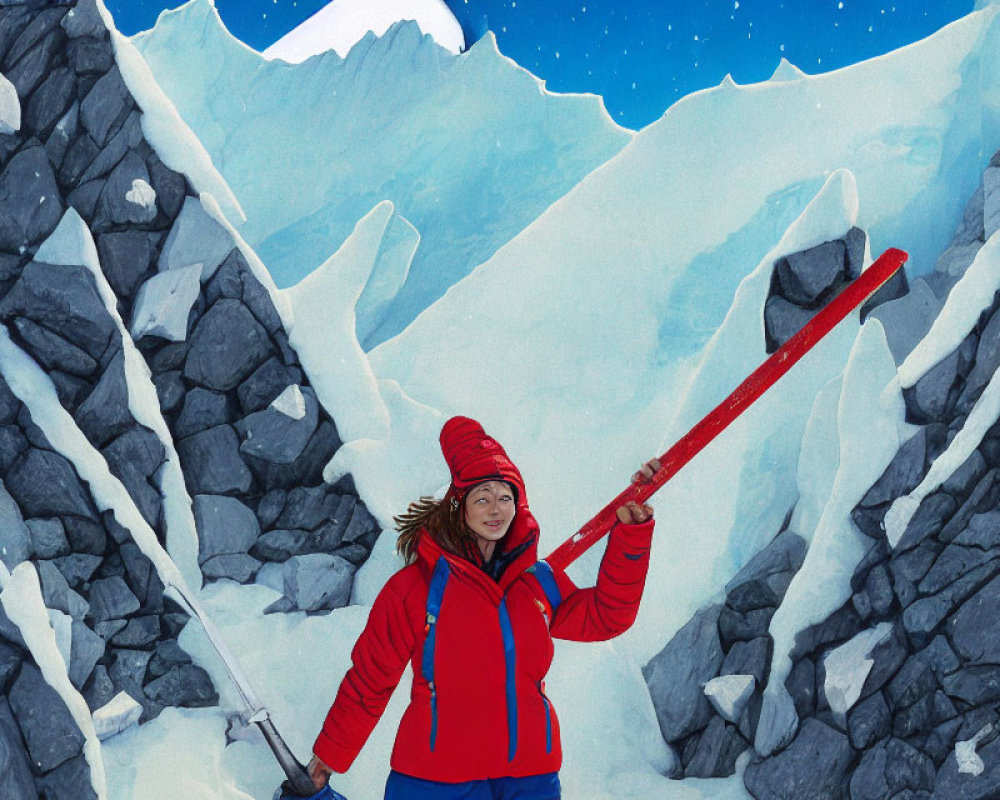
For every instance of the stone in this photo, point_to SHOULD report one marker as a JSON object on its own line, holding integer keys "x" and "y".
{"x": 186, "y": 685}
{"x": 782, "y": 320}
{"x": 929, "y": 518}
{"x": 203, "y": 409}
{"x": 976, "y": 685}
{"x": 927, "y": 399}
{"x": 41, "y": 23}
{"x": 52, "y": 351}
{"x": 959, "y": 521}
{"x": 803, "y": 277}
{"x": 869, "y": 721}
{"x": 45, "y": 485}
{"x": 127, "y": 671}
{"x": 117, "y": 715}
{"x": 227, "y": 345}
{"x": 274, "y": 436}
{"x": 677, "y": 674}
{"x": 271, "y": 507}
{"x": 12, "y": 445}
{"x": 164, "y": 302}
{"x": 49, "y": 730}
{"x": 951, "y": 783}
{"x": 986, "y": 364}
{"x": 906, "y": 320}
{"x": 99, "y": 690}
{"x": 16, "y": 781}
{"x": 280, "y": 544}
{"x": 9, "y": 404}
{"x": 15, "y": 538}
{"x": 138, "y": 632}
{"x": 195, "y": 238}
{"x": 890, "y": 767}
{"x": 84, "y": 199}
{"x": 764, "y": 579}
{"x": 170, "y": 390}
{"x": 225, "y": 526}
{"x": 801, "y": 687}
{"x": 973, "y": 630}
{"x": 317, "y": 581}
{"x": 127, "y": 198}
{"x": 239, "y": 567}
{"x": 110, "y": 598}
{"x": 169, "y": 654}
{"x": 913, "y": 681}
{"x": 902, "y": 474}
{"x": 105, "y": 413}
{"x": 29, "y": 71}
{"x": 749, "y": 658}
{"x": 85, "y": 536}
{"x": 126, "y": 256}
{"x": 63, "y": 298}
{"x": 235, "y": 279}
{"x": 105, "y": 107}
{"x": 71, "y": 389}
{"x": 889, "y": 655}
{"x": 734, "y": 626}
{"x": 983, "y": 531}
{"x": 729, "y": 694}
{"x": 87, "y": 649}
{"x": 266, "y": 382}
{"x": 813, "y": 767}
{"x": 50, "y": 101}
{"x": 309, "y": 507}
{"x": 954, "y": 561}
{"x": 89, "y": 56}
{"x": 716, "y": 752}
{"x": 77, "y": 568}
{"x": 838, "y": 627}
{"x": 139, "y": 448}
{"x": 84, "y": 19}
{"x": 878, "y": 591}
{"x": 363, "y": 527}
{"x": 55, "y": 589}
{"x": 48, "y": 539}
{"x": 32, "y": 200}
{"x": 212, "y": 464}
{"x": 170, "y": 187}
{"x": 893, "y": 289}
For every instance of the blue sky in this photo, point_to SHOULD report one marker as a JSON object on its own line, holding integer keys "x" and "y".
{"x": 640, "y": 55}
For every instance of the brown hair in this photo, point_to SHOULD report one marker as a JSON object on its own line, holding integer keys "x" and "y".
{"x": 443, "y": 520}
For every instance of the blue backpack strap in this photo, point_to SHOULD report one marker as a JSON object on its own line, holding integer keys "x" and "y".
{"x": 435, "y": 595}
{"x": 547, "y": 580}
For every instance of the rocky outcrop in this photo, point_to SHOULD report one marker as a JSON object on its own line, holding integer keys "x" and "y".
{"x": 895, "y": 693}
{"x": 127, "y": 288}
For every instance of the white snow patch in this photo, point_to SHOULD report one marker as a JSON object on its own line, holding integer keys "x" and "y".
{"x": 729, "y": 694}
{"x": 968, "y": 759}
{"x": 117, "y": 715}
{"x": 847, "y": 668}
{"x": 72, "y": 244}
{"x": 10, "y": 107}
{"x": 171, "y": 138}
{"x": 142, "y": 194}
{"x": 966, "y": 301}
{"x": 341, "y": 24}
{"x": 290, "y": 402}
{"x": 21, "y": 598}
{"x": 195, "y": 238}
{"x": 870, "y": 415}
{"x": 163, "y": 304}
{"x": 980, "y": 420}
{"x": 787, "y": 71}
{"x": 62, "y": 624}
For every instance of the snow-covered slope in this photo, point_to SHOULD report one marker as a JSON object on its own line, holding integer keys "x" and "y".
{"x": 469, "y": 148}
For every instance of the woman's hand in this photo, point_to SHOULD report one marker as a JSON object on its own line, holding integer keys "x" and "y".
{"x": 632, "y": 513}
{"x": 319, "y": 772}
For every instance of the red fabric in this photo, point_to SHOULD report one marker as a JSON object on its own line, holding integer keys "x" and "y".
{"x": 469, "y": 666}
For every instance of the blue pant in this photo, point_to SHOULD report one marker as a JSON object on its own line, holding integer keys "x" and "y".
{"x": 534, "y": 787}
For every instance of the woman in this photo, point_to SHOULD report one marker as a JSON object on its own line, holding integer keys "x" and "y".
{"x": 474, "y": 611}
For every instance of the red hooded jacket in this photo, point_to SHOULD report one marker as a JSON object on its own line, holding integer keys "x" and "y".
{"x": 479, "y": 648}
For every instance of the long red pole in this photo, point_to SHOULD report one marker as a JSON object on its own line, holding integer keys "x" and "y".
{"x": 719, "y": 418}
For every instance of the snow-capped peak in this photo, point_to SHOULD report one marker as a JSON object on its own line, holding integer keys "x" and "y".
{"x": 341, "y": 24}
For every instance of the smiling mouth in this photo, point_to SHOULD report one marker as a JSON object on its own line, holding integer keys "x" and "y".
{"x": 494, "y": 524}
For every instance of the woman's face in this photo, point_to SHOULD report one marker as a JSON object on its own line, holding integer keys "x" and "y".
{"x": 489, "y": 510}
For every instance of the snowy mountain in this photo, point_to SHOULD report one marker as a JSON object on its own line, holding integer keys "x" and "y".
{"x": 820, "y": 612}
{"x": 468, "y": 148}
{"x": 340, "y": 25}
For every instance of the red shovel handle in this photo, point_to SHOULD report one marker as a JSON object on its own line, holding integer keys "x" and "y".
{"x": 719, "y": 418}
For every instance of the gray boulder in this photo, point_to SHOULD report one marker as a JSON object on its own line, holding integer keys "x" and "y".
{"x": 202, "y": 409}
{"x": 45, "y": 485}
{"x": 716, "y": 751}
{"x": 927, "y": 399}
{"x": 69, "y": 781}
{"x": 50, "y": 100}
{"x": 84, "y": 20}
{"x": 15, "y": 538}
{"x": 677, "y": 674}
{"x": 32, "y": 201}
{"x": 127, "y": 196}
{"x": 186, "y": 685}
{"x": 813, "y": 767}
{"x": 239, "y": 567}
{"x": 105, "y": 413}
{"x": 48, "y": 539}
{"x": 126, "y": 256}
{"x": 16, "y": 782}
{"x": 889, "y": 768}
{"x": 86, "y": 650}
{"x": 52, "y": 351}
{"x": 317, "y": 581}
{"x": 280, "y": 433}
{"x": 869, "y": 721}
{"x": 975, "y": 626}
{"x": 268, "y": 381}
{"x": 986, "y": 364}
{"x": 195, "y": 238}
{"x": 225, "y": 526}
{"x": 782, "y": 320}
{"x": 212, "y": 463}
{"x": 804, "y": 276}
{"x": 227, "y": 345}
{"x": 952, "y": 783}
{"x": 765, "y": 578}
{"x": 105, "y": 107}
{"x": 110, "y": 598}
{"x": 902, "y": 474}
{"x": 49, "y": 730}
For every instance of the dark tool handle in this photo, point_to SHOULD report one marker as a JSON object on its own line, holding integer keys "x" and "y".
{"x": 298, "y": 778}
